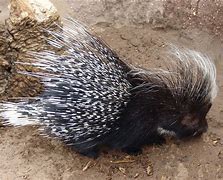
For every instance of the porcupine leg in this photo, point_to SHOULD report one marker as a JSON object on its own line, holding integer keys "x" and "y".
{"x": 132, "y": 150}
{"x": 155, "y": 139}
{"x": 91, "y": 153}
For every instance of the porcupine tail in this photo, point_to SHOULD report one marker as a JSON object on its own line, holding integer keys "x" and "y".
{"x": 19, "y": 113}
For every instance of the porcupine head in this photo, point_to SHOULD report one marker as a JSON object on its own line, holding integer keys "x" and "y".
{"x": 92, "y": 98}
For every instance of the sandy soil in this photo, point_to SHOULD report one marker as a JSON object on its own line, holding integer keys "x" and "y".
{"x": 24, "y": 154}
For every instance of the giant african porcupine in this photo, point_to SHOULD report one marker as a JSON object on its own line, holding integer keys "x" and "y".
{"x": 92, "y": 98}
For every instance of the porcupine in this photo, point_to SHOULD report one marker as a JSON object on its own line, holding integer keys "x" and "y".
{"x": 93, "y": 98}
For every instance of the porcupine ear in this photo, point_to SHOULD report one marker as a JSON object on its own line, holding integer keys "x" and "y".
{"x": 189, "y": 77}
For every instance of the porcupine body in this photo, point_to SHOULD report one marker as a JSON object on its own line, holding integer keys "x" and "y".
{"x": 92, "y": 98}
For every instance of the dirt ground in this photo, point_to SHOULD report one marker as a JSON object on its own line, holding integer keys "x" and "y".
{"x": 24, "y": 154}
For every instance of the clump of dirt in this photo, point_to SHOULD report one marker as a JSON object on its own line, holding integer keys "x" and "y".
{"x": 24, "y": 154}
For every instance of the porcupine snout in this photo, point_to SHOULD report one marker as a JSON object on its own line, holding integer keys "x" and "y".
{"x": 195, "y": 125}
{"x": 183, "y": 95}
{"x": 188, "y": 125}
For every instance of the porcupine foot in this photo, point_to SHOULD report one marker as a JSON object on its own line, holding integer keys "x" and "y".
{"x": 91, "y": 153}
{"x": 132, "y": 150}
{"x": 156, "y": 140}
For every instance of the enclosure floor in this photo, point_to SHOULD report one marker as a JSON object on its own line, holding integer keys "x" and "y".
{"x": 24, "y": 154}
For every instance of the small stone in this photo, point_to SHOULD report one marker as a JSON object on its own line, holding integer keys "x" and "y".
{"x": 165, "y": 178}
{"x": 220, "y": 154}
{"x": 24, "y": 14}
{"x": 149, "y": 170}
{"x": 215, "y": 142}
{"x": 123, "y": 170}
{"x": 136, "y": 175}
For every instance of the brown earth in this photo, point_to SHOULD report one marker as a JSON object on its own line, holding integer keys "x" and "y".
{"x": 24, "y": 154}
